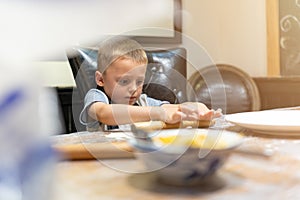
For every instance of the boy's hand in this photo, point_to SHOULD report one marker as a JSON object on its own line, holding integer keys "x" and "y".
{"x": 188, "y": 111}
{"x": 172, "y": 114}
{"x": 197, "y": 111}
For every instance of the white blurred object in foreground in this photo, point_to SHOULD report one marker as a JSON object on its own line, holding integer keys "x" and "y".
{"x": 26, "y": 158}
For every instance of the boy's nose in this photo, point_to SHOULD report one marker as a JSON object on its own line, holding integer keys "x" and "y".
{"x": 133, "y": 87}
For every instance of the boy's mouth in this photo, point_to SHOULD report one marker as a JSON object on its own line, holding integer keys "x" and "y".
{"x": 132, "y": 99}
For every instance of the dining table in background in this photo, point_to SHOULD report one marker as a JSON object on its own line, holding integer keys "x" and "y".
{"x": 79, "y": 175}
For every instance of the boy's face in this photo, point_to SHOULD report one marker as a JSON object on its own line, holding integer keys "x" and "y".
{"x": 123, "y": 81}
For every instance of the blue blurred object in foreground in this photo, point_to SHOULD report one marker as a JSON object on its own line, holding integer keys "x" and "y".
{"x": 26, "y": 157}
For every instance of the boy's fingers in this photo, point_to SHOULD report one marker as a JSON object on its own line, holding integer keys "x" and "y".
{"x": 218, "y": 112}
{"x": 176, "y": 117}
{"x": 181, "y": 115}
{"x": 186, "y": 109}
{"x": 207, "y": 116}
{"x": 191, "y": 112}
{"x": 198, "y": 112}
{"x": 192, "y": 116}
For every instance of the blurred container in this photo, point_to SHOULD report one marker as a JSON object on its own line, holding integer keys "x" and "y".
{"x": 26, "y": 157}
{"x": 187, "y": 156}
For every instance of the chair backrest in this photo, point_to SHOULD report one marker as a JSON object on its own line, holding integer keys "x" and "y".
{"x": 225, "y": 86}
{"x": 165, "y": 76}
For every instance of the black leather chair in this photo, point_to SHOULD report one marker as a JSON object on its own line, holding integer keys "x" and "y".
{"x": 225, "y": 86}
{"x": 165, "y": 76}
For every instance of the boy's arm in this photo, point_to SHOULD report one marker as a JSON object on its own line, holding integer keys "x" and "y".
{"x": 116, "y": 114}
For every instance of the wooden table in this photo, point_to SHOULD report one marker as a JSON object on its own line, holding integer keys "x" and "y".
{"x": 242, "y": 177}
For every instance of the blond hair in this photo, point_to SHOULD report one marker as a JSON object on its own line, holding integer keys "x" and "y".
{"x": 118, "y": 47}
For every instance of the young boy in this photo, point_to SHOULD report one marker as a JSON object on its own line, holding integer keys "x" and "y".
{"x": 118, "y": 98}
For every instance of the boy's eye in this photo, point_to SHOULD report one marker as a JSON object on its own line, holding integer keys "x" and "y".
{"x": 124, "y": 82}
{"x": 139, "y": 82}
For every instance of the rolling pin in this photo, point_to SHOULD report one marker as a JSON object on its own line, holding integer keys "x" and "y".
{"x": 157, "y": 125}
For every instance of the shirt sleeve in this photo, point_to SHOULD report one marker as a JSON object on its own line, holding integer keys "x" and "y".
{"x": 93, "y": 95}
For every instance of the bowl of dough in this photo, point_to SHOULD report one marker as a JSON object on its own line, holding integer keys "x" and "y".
{"x": 184, "y": 156}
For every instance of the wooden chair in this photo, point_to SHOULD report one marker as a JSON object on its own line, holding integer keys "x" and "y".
{"x": 224, "y": 86}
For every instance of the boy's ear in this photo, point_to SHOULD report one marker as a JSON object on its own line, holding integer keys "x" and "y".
{"x": 99, "y": 78}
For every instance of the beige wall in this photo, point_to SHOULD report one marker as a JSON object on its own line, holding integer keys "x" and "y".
{"x": 231, "y": 31}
